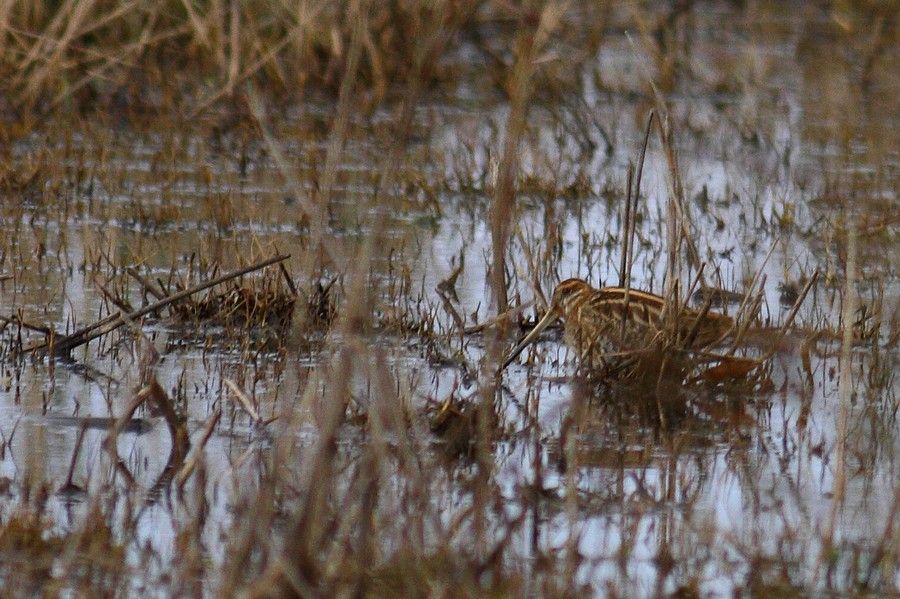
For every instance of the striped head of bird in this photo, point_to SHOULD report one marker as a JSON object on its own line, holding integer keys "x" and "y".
{"x": 568, "y": 296}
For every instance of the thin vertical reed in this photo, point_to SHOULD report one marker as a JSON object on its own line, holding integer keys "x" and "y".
{"x": 845, "y": 390}
{"x": 528, "y": 46}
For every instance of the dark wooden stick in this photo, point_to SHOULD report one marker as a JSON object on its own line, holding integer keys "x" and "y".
{"x": 626, "y": 229}
{"x": 288, "y": 279}
{"x": 69, "y": 485}
{"x": 634, "y": 201}
{"x": 146, "y": 283}
{"x": 24, "y": 323}
{"x": 66, "y": 344}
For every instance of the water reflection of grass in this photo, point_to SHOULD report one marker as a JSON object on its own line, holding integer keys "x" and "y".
{"x": 366, "y": 447}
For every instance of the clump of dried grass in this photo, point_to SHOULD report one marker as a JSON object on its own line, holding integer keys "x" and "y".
{"x": 257, "y": 304}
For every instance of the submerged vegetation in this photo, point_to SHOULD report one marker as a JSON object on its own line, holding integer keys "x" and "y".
{"x": 263, "y": 265}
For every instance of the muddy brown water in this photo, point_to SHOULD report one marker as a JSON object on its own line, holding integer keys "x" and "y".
{"x": 780, "y": 156}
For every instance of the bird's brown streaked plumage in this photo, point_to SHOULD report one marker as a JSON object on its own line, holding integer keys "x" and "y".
{"x": 615, "y": 319}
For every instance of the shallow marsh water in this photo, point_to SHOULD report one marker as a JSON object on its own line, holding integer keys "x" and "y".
{"x": 739, "y": 483}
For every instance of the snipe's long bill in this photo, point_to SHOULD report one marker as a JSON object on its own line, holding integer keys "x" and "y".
{"x": 615, "y": 319}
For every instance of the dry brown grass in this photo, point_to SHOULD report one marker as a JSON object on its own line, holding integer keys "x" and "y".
{"x": 190, "y": 56}
{"x": 325, "y": 462}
